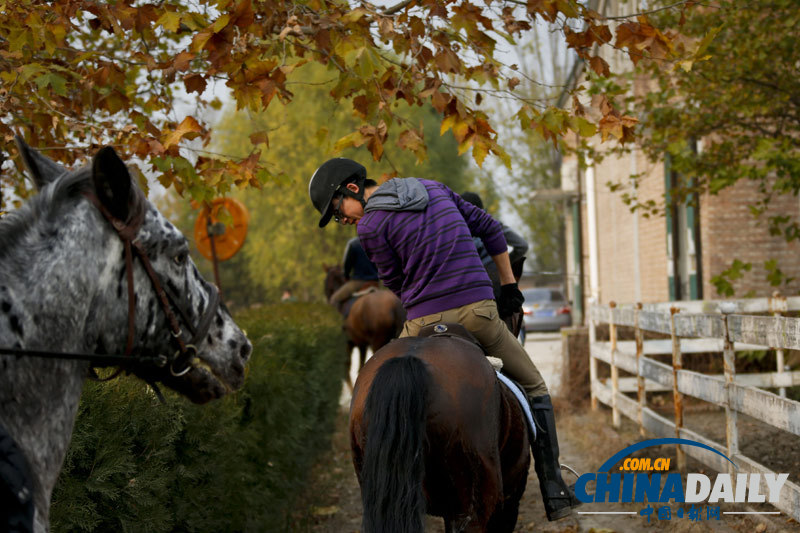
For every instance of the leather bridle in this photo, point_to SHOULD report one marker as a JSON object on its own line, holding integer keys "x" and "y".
{"x": 184, "y": 357}
{"x": 182, "y": 360}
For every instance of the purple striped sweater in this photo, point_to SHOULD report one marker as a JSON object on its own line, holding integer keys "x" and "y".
{"x": 424, "y": 252}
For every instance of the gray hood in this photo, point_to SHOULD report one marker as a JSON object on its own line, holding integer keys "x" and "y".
{"x": 398, "y": 194}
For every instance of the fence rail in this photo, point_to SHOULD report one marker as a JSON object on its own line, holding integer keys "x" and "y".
{"x": 724, "y": 326}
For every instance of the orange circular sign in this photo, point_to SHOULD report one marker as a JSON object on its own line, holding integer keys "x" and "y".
{"x": 228, "y": 233}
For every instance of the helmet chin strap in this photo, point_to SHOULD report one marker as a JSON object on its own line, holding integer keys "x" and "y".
{"x": 356, "y": 195}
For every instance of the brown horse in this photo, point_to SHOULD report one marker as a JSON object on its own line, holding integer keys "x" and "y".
{"x": 434, "y": 431}
{"x": 373, "y": 320}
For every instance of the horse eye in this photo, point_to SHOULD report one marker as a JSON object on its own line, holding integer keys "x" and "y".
{"x": 180, "y": 259}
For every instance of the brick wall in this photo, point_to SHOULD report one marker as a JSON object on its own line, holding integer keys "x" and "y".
{"x": 625, "y": 238}
{"x": 729, "y": 231}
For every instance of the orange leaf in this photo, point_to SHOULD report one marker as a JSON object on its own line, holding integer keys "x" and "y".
{"x": 182, "y": 61}
{"x": 189, "y": 129}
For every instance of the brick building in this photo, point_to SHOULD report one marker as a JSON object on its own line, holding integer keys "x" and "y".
{"x": 627, "y": 257}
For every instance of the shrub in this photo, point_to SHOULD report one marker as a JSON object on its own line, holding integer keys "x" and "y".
{"x": 236, "y": 464}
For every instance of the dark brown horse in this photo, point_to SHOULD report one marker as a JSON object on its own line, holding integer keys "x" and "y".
{"x": 373, "y": 319}
{"x": 434, "y": 431}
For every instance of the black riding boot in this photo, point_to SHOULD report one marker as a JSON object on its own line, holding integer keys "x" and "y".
{"x": 559, "y": 499}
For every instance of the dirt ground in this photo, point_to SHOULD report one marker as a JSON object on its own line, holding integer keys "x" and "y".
{"x": 587, "y": 440}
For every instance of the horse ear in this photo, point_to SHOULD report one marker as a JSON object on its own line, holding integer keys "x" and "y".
{"x": 325, "y": 267}
{"x": 42, "y": 169}
{"x": 112, "y": 182}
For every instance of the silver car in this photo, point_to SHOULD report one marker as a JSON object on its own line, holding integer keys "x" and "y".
{"x": 545, "y": 310}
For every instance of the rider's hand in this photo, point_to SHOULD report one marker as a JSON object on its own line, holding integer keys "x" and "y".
{"x": 510, "y": 300}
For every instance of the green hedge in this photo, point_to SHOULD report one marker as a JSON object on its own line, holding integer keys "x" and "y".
{"x": 236, "y": 464}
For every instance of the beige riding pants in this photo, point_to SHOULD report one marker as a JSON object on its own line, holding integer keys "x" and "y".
{"x": 483, "y": 321}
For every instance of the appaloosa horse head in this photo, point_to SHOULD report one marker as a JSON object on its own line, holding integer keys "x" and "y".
{"x": 68, "y": 259}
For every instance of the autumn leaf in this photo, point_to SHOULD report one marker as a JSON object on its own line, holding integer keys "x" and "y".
{"x": 194, "y": 83}
{"x": 259, "y": 137}
{"x": 600, "y": 66}
{"x": 413, "y": 141}
{"x": 188, "y": 129}
{"x": 353, "y": 139}
{"x": 170, "y": 21}
{"x": 183, "y": 60}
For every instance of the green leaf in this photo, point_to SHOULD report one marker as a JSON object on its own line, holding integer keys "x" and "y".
{"x": 54, "y": 81}
{"x": 583, "y": 127}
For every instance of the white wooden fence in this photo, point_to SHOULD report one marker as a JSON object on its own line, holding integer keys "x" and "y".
{"x": 724, "y": 326}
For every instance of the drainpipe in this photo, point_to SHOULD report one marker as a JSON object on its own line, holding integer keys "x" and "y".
{"x": 591, "y": 222}
{"x": 637, "y": 273}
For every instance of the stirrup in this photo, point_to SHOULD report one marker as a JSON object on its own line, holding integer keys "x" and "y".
{"x": 571, "y": 470}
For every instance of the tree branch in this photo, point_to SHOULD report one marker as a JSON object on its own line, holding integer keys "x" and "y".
{"x": 398, "y": 7}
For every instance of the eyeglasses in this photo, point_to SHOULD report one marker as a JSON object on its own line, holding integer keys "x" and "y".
{"x": 337, "y": 213}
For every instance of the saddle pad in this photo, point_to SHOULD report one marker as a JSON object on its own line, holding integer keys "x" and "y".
{"x": 519, "y": 394}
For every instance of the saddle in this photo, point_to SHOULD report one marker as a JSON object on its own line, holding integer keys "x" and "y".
{"x": 371, "y": 286}
{"x": 446, "y": 329}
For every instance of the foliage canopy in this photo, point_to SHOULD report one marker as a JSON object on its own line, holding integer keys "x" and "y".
{"x": 85, "y": 72}
{"x": 741, "y": 106}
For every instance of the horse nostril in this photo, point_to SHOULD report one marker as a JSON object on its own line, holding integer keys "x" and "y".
{"x": 245, "y": 351}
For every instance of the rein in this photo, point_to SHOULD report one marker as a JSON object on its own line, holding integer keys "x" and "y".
{"x": 183, "y": 359}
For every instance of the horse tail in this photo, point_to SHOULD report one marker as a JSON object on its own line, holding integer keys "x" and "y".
{"x": 394, "y": 463}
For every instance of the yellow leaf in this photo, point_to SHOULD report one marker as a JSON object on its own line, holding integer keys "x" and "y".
{"x": 353, "y": 139}
{"x": 447, "y": 123}
{"x": 479, "y": 151}
{"x": 170, "y": 21}
{"x": 466, "y": 145}
{"x": 460, "y": 130}
{"x": 199, "y": 41}
{"x": 189, "y": 128}
{"x": 220, "y": 23}
{"x": 354, "y": 15}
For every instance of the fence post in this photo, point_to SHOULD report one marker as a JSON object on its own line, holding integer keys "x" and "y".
{"x": 677, "y": 397}
{"x": 776, "y": 311}
{"x": 731, "y": 415}
{"x": 592, "y": 360}
{"x": 641, "y": 393}
{"x": 612, "y": 336}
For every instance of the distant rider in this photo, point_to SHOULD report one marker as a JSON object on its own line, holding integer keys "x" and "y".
{"x": 359, "y": 272}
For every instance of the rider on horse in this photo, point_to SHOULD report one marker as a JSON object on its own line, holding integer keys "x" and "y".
{"x": 419, "y": 235}
{"x": 358, "y": 271}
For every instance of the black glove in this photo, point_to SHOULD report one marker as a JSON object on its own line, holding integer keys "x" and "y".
{"x": 510, "y": 300}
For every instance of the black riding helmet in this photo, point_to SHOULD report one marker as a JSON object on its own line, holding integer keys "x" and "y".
{"x": 329, "y": 178}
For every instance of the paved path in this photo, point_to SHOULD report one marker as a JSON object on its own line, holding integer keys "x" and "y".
{"x": 545, "y": 351}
